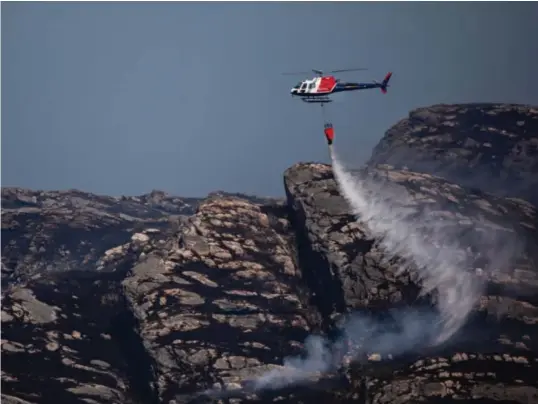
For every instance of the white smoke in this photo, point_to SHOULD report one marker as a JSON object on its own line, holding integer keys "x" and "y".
{"x": 423, "y": 241}
{"x": 318, "y": 359}
{"x": 360, "y": 337}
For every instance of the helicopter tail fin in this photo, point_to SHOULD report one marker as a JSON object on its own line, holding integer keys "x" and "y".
{"x": 385, "y": 83}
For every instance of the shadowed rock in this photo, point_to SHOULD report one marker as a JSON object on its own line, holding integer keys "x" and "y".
{"x": 59, "y": 342}
{"x": 493, "y": 147}
{"x": 70, "y": 230}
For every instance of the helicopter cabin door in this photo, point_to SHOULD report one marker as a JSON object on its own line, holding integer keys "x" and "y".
{"x": 311, "y": 88}
{"x": 326, "y": 84}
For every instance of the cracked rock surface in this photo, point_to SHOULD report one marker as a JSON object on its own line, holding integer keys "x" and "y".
{"x": 221, "y": 301}
{"x": 353, "y": 271}
{"x": 356, "y": 268}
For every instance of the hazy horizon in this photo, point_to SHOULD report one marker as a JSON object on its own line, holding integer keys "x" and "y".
{"x": 189, "y": 98}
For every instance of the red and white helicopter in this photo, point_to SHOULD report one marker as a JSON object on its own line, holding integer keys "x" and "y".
{"x": 318, "y": 89}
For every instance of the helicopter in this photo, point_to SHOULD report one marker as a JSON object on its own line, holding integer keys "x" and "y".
{"x": 318, "y": 89}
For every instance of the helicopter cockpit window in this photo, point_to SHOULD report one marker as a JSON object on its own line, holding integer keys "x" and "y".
{"x": 298, "y": 84}
{"x": 303, "y": 86}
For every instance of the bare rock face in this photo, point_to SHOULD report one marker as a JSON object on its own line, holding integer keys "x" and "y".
{"x": 204, "y": 306}
{"x": 221, "y": 301}
{"x": 60, "y": 341}
{"x": 347, "y": 272}
{"x": 70, "y": 335}
{"x": 353, "y": 271}
{"x": 44, "y": 231}
{"x": 460, "y": 377}
{"x": 357, "y": 267}
{"x": 71, "y": 230}
{"x": 493, "y": 147}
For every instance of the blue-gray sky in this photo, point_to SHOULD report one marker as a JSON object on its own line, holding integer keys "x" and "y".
{"x": 123, "y": 98}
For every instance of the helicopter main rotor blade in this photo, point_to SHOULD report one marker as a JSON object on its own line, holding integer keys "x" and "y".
{"x": 349, "y": 70}
{"x": 320, "y": 72}
{"x": 296, "y": 73}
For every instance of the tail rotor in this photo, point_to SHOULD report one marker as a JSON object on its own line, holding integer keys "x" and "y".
{"x": 385, "y": 83}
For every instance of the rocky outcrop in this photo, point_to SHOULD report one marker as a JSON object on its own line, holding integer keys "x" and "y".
{"x": 159, "y": 299}
{"x": 347, "y": 272}
{"x": 71, "y": 230}
{"x": 493, "y": 147}
{"x": 44, "y": 231}
{"x": 202, "y": 306}
{"x": 60, "y": 341}
{"x": 351, "y": 271}
{"x": 220, "y": 302}
{"x": 357, "y": 269}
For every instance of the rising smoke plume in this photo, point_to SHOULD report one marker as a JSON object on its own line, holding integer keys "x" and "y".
{"x": 436, "y": 251}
